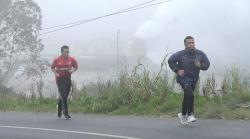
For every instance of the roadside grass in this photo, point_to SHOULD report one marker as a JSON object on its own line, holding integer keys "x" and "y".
{"x": 144, "y": 93}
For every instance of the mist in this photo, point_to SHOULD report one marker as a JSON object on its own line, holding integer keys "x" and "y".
{"x": 220, "y": 29}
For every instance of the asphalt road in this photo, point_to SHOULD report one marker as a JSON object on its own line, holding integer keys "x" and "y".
{"x": 20, "y": 125}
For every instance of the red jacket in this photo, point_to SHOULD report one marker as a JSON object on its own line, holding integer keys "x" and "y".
{"x": 63, "y": 65}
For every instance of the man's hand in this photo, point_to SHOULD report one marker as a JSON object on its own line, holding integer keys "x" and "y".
{"x": 72, "y": 70}
{"x": 197, "y": 63}
{"x": 56, "y": 74}
{"x": 181, "y": 73}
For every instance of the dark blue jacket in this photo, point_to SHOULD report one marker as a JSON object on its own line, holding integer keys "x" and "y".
{"x": 185, "y": 60}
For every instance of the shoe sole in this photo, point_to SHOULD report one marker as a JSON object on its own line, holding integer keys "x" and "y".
{"x": 191, "y": 121}
{"x": 67, "y": 118}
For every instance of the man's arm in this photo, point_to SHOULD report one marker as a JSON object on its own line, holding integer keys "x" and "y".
{"x": 53, "y": 67}
{"x": 173, "y": 62}
{"x": 73, "y": 70}
{"x": 204, "y": 63}
{"x": 75, "y": 66}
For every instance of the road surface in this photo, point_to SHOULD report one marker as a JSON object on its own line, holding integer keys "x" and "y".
{"x": 21, "y": 125}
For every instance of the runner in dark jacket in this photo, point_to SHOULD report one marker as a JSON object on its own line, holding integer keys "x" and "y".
{"x": 187, "y": 65}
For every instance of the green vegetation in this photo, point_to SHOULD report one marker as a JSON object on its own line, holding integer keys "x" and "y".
{"x": 143, "y": 93}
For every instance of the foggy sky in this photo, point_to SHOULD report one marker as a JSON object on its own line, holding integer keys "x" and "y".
{"x": 220, "y": 28}
{"x": 83, "y": 37}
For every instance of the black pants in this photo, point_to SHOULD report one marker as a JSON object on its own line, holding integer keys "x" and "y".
{"x": 64, "y": 86}
{"x": 188, "y": 100}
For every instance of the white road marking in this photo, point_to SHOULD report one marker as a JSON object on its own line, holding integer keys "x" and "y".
{"x": 70, "y": 131}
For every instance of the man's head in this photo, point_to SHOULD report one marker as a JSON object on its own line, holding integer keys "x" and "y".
{"x": 189, "y": 43}
{"x": 65, "y": 50}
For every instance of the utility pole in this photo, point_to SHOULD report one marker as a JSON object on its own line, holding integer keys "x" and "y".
{"x": 117, "y": 52}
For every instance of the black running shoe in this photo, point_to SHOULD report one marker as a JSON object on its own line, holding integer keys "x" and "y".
{"x": 67, "y": 117}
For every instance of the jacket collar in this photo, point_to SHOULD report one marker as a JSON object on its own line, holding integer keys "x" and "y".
{"x": 190, "y": 51}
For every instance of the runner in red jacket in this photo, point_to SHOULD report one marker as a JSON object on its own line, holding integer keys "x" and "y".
{"x": 63, "y": 66}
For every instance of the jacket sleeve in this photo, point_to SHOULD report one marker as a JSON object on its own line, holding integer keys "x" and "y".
{"x": 205, "y": 62}
{"x": 173, "y": 62}
{"x": 53, "y": 65}
{"x": 74, "y": 63}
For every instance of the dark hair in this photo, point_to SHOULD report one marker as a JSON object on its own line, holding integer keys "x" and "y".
{"x": 188, "y": 37}
{"x": 64, "y": 47}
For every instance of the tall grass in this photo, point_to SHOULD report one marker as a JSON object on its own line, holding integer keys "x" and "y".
{"x": 143, "y": 92}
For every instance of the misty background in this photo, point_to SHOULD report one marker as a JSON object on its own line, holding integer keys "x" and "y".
{"x": 220, "y": 29}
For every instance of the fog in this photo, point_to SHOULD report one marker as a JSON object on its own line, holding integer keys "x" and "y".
{"x": 85, "y": 36}
{"x": 220, "y": 29}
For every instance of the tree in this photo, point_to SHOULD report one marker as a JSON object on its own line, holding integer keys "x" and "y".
{"x": 20, "y": 46}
